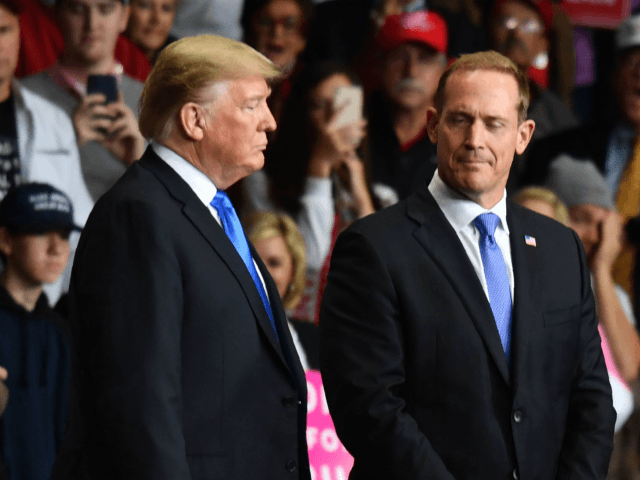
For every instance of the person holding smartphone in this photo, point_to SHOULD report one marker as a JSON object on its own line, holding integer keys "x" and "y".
{"x": 318, "y": 168}
{"x": 36, "y": 135}
{"x": 106, "y": 129}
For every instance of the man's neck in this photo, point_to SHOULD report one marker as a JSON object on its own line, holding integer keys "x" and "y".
{"x": 23, "y": 294}
{"x": 102, "y": 67}
{"x": 408, "y": 123}
{"x": 5, "y": 89}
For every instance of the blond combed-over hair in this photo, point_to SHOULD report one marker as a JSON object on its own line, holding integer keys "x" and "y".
{"x": 183, "y": 72}
{"x": 268, "y": 224}
{"x": 488, "y": 61}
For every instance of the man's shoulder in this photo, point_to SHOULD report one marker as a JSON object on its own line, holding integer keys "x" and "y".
{"x": 132, "y": 91}
{"x": 42, "y": 107}
{"x": 581, "y": 138}
{"x": 549, "y": 235}
{"x": 388, "y": 226}
{"x": 43, "y": 85}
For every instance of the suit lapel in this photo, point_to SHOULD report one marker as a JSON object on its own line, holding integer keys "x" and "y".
{"x": 279, "y": 318}
{"x": 201, "y": 218}
{"x": 442, "y": 244}
{"x": 524, "y": 261}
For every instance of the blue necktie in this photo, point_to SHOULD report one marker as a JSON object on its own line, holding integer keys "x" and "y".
{"x": 233, "y": 229}
{"x": 495, "y": 273}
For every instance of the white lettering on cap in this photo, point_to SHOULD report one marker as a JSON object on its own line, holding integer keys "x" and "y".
{"x": 53, "y": 201}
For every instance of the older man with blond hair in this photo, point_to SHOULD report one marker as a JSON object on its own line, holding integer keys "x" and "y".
{"x": 183, "y": 366}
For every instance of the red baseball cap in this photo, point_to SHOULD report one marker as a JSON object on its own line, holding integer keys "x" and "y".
{"x": 543, "y": 7}
{"x": 422, "y": 26}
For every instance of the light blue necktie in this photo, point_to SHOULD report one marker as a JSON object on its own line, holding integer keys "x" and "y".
{"x": 495, "y": 273}
{"x": 233, "y": 229}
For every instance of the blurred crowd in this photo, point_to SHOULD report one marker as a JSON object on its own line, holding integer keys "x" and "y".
{"x": 358, "y": 77}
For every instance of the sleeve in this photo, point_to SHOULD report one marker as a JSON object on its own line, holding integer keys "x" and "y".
{"x": 588, "y": 439}
{"x": 362, "y": 364}
{"x": 126, "y": 309}
{"x": 316, "y": 219}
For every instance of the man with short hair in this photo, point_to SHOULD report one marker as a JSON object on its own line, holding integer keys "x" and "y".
{"x": 459, "y": 336}
{"x": 182, "y": 363}
{"x": 36, "y": 136}
{"x": 107, "y": 134}
{"x": 414, "y": 47}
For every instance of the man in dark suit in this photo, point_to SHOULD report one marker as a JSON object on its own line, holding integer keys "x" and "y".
{"x": 458, "y": 333}
{"x": 183, "y": 366}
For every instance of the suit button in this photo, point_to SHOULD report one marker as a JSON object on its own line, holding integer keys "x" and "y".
{"x": 291, "y": 466}
{"x": 288, "y": 401}
{"x": 517, "y": 417}
{"x": 515, "y": 474}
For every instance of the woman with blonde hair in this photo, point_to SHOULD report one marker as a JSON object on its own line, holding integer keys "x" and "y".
{"x": 543, "y": 201}
{"x": 280, "y": 245}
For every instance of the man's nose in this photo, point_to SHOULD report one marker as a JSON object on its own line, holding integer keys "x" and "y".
{"x": 155, "y": 14}
{"x": 409, "y": 66}
{"x": 277, "y": 31}
{"x": 90, "y": 18}
{"x": 57, "y": 243}
{"x": 475, "y": 135}
{"x": 269, "y": 122}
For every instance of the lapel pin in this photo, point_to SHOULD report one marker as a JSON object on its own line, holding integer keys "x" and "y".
{"x": 531, "y": 241}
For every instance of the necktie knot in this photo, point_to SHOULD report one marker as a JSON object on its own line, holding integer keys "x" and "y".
{"x": 221, "y": 200}
{"x": 233, "y": 228}
{"x": 486, "y": 224}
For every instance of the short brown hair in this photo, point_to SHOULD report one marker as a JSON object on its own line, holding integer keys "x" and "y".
{"x": 268, "y": 224}
{"x": 491, "y": 61}
{"x": 188, "y": 66}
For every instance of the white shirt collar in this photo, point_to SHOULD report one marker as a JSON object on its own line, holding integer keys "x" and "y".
{"x": 461, "y": 211}
{"x": 202, "y": 185}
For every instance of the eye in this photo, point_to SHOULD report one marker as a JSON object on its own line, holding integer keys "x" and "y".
{"x": 106, "y": 8}
{"x": 274, "y": 262}
{"x": 75, "y": 8}
{"x": 457, "y": 120}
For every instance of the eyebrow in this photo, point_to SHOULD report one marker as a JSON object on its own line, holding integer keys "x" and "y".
{"x": 468, "y": 115}
{"x": 258, "y": 97}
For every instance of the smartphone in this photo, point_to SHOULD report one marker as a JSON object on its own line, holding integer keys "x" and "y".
{"x": 104, "y": 84}
{"x": 352, "y": 113}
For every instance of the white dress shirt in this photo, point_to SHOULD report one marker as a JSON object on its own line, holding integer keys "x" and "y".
{"x": 201, "y": 185}
{"x": 460, "y": 212}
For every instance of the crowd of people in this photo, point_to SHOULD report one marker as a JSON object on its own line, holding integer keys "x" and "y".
{"x": 351, "y": 115}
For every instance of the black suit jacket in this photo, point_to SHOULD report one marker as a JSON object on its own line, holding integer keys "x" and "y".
{"x": 414, "y": 372}
{"x": 586, "y": 142}
{"x": 176, "y": 371}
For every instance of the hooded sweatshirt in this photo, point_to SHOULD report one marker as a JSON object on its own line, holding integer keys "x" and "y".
{"x": 36, "y": 355}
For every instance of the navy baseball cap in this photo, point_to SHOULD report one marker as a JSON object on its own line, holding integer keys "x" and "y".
{"x": 36, "y": 208}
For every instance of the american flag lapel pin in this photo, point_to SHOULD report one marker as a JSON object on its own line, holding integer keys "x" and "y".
{"x": 531, "y": 241}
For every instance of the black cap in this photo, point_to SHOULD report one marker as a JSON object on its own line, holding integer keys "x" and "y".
{"x": 36, "y": 208}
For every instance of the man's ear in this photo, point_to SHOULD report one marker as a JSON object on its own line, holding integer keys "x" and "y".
{"x": 192, "y": 121}
{"x": 433, "y": 120}
{"x": 525, "y": 131}
{"x": 6, "y": 244}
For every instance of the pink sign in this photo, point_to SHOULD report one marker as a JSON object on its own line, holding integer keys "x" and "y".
{"x": 328, "y": 458}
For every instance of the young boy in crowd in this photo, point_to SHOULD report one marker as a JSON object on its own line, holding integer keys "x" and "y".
{"x": 35, "y": 222}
